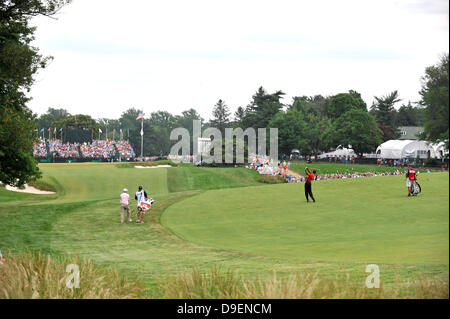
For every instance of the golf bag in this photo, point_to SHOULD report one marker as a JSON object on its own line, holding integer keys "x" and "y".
{"x": 146, "y": 204}
{"x": 415, "y": 188}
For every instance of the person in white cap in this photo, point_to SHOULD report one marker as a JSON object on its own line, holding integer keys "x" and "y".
{"x": 124, "y": 198}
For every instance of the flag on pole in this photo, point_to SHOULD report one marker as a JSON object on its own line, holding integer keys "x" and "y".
{"x": 100, "y": 130}
{"x": 60, "y": 129}
{"x": 49, "y": 129}
{"x": 140, "y": 116}
{"x": 54, "y": 130}
{"x": 42, "y": 130}
{"x": 142, "y": 131}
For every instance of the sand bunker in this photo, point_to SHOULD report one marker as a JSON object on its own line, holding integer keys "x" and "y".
{"x": 156, "y": 166}
{"x": 28, "y": 189}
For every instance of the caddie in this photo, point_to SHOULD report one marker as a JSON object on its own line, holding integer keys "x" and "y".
{"x": 141, "y": 196}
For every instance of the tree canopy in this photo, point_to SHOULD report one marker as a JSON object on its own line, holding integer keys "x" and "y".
{"x": 343, "y": 102}
{"x": 435, "y": 99}
{"x": 359, "y": 129}
{"x": 19, "y": 62}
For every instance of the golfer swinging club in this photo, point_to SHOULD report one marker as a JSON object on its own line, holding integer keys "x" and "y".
{"x": 309, "y": 178}
{"x": 141, "y": 195}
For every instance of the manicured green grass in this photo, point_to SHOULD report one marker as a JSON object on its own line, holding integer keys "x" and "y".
{"x": 225, "y": 217}
{"x": 356, "y": 220}
{"x": 188, "y": 177}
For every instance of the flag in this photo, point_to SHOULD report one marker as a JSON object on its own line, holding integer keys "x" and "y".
{"x": 54, "y": 130}
{"x": 42, "y": 130}
{"x": 100, "y": 130}
{"x": 140, "y": 116}
{"x": 49, "y": 129}
{"x": 142, "y": 132}
{"x": 60, "y": 129}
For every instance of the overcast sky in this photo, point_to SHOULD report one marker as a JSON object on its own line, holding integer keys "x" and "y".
{"x": 110, "y": 55}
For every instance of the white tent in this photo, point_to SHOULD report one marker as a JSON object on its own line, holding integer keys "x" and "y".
{"x": 439, "y": 150}
{"x": 398, "y": 149}
{"x": 339, "y": 152}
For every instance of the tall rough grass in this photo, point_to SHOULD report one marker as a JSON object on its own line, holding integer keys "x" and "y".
{"x": 193, "y": 284}
{"x": 34, "y": 275}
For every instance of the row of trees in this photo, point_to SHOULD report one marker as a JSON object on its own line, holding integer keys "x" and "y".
{"x": 310, "y": 124}
{"x": 19, "y": 62}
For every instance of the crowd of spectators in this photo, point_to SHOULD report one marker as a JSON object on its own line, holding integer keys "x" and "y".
{"x": 264, "y": 166}
{"x": 400, "y": 162}
{"x": 125, "y": 150}
{"x": 293, "y": 179}
{"x": 40, "y": 149}
{"x": 355, "y": 175}
{"x": 98, "y": 149}
{"x": 64, "y": 150}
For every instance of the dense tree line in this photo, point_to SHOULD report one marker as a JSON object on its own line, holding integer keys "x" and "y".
{"x": 19, "y": 62}
{"x": 310, "y": 124}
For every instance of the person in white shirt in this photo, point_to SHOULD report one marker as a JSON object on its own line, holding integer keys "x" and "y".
{"x": 124, "y": 198}
{"x": 141, "y": 195}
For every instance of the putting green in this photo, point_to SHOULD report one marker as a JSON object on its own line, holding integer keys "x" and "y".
{"x": 364, "y": 220}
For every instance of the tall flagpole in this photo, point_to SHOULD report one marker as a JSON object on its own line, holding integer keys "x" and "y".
{"x": 142, "y": 136}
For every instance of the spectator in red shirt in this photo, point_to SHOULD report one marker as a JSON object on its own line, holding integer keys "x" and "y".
{"x": 309, "y": 178}
{"x": 410, "y": 178}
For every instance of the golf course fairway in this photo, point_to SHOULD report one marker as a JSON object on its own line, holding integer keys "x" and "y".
{"x": 228, "y": 218}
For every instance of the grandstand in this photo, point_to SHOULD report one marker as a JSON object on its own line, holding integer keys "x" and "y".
{"x": 63, "y": 150}
{"x": 40, "y": 149}
{"x": 97, "y": 150}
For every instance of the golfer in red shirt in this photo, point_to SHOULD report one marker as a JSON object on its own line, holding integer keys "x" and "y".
{"x": 309, "y": 178}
